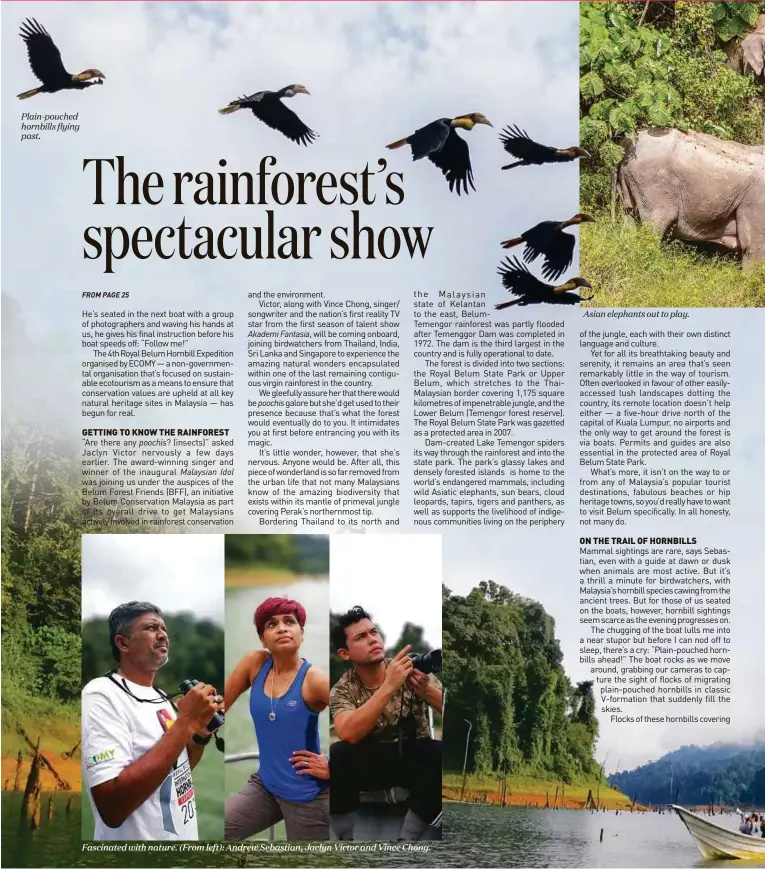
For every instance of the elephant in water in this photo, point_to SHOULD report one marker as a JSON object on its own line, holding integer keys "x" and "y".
{"x": 698, "y": 189}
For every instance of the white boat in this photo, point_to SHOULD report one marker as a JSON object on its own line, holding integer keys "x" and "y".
{"x": 716, "y": 841}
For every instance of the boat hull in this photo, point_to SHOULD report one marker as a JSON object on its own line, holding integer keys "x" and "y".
{"x": 717, "y": 842}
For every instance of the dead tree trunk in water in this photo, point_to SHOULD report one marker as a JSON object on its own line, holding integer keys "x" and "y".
{"x": 30, "y": 804}
{"x": 17, "y": 777}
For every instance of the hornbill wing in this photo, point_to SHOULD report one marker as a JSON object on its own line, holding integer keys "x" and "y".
{"x": 277, "y": 116}
{"x": 454, "y": 161}
{"x": 517, "y": 279}
{"x": 429, "y": 139}
{"x": 44, "y": 56}
{"x": 517, "y": 142}
{"x": 558, "y": 256}
{"x": 538, "y": 239}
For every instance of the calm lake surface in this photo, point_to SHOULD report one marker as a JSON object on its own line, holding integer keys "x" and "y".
{"x": 516, "y": 836}
{"x": 476, "y": 836}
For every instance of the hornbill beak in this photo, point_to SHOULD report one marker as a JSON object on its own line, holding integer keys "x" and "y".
{"x": 300, "y": 89}
{"x": 88, "y": 74}
{"x": 580, "y": 152}
{"x": 486, "y": 121}
{"x": 584, "y": 283}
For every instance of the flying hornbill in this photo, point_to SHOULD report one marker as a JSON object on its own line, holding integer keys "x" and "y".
{"x": 528, "y": 152}
{"x": 439, "y": 142}
{"x": 268, "y": 107}
{"x": 517, "y": 279}
{"x": 548, "y": 239}
{"x": 45, "y": 60}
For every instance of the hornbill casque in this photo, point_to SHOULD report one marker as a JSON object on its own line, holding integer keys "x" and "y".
{"x": 517, "y": 279}
{"x": 268, "y": 107}
{"x": 517, "y": 143}
{"x": 439, "y": 142}
{"x": 46, "y": 63}
{"x": 548, "y": 239}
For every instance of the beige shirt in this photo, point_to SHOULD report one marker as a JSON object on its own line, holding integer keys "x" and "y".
{"x": 349, "y": 693}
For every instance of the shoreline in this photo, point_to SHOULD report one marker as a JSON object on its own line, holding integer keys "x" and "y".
{"x": 536, "y": 793}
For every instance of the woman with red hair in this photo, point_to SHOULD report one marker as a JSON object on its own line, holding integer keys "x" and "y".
{"x": 287, "y": 693}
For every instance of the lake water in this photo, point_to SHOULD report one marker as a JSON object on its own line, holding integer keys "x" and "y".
{"x": 477, "y": 836}
{"x": 516, "y": 836}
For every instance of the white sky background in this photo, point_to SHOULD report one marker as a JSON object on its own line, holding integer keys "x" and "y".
{"x": 395, "y": 577}
{"x": 176, "y": 572}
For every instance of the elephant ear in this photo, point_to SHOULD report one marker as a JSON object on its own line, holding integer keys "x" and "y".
{"x": 753, "y": 53}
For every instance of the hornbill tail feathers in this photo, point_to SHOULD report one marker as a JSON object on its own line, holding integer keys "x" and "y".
{"x": 512, "y": 242}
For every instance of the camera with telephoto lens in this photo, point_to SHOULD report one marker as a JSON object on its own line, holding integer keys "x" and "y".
{"x": 429, "y": 662}
{"x": 217, "y": 720}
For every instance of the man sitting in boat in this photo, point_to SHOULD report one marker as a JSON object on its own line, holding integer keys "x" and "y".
{"x": 747, "y": 825}
{"x": 380, "y": 711}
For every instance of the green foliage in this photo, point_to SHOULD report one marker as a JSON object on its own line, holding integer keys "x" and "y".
{"x": 58, "y": 654}
{"x": 503, "y": 671}
{"x": 733, "y": 20}
{"x": 196, "y": 651}
{"x": 301, "y": 553}
{"x": 40, "y": 567}
{"x": 42, "y": 525}
{"x": 664, "y": 66}
{"x": 631, "y": 267}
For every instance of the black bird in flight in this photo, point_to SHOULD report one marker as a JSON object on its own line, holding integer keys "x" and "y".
{"x": 517, "y": 279}
{"x": 439, "y": 142}
{"x": 45, "y": 60}
{"x": 548, "y": 239}
{"x": 268, "y": 107}
{"x": 517, "y": 143}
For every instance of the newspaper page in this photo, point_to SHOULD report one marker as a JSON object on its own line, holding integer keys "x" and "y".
{"x": 383, "y": 433}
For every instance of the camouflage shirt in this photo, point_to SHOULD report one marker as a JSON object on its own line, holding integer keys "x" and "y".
{"x": 349, "y": 693}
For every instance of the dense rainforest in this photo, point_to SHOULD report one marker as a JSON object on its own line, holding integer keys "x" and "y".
{"x": 40, "y": 571}
{"x": 503, "y": 671}
{"x": 719, "y": 774}
{"x": 300, "y": 553}
{"x": 196, "y": 651}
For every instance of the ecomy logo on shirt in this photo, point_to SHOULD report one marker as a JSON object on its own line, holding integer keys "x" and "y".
{"x": 100, "y": 757}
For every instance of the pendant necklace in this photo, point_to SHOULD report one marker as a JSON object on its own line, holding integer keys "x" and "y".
{"x": 272, "y": 714}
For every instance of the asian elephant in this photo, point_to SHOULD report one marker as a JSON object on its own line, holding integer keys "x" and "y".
{"x": 697, "y": 188}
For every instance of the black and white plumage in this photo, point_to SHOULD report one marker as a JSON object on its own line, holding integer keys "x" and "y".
{"x": 548, "y": 240}
{"x": 45, "y": 61}
{"x": 267, "y": 106}
{"x": 440, "y": 143}
{"x": 519, "y": 281}
{"x": 530, "y": 153}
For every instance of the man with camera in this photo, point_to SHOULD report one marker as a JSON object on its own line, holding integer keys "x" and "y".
{"x": 380, "y": 711}
{"x": 138, "y": 747}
